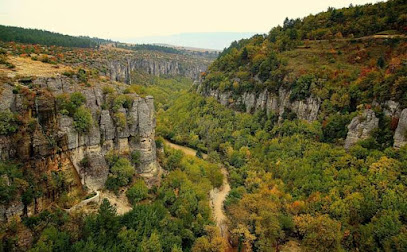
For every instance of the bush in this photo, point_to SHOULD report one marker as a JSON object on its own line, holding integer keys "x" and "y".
{"x": 121, "y": 120}
{"x": 111, "y": 158}
{"x": 137, "y": 192}
{"x": 124, "y": 101}
{"x": 135, "y": 157}
{"x": 8, "y": 123}
{"x": 336, "y": 127}
{"x": 82, "y": 75}
{"x": 69, "y": 104}
{"x": 107, "y": 90}
{"x": 120, "y": 174}
{"x": 82, "y": 120}
{"x": 301, "y": 88}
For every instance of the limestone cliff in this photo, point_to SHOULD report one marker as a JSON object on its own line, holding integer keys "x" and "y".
{"x": 400, "y": 136}
{"x": 50, "y": 141}
{"x": 360, "y": 127}
{"x": 308, "y": 109}
{"x": 276, "y": 103}
{"x": 121, "y": 69}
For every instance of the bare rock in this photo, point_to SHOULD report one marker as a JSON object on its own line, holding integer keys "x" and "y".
{"x": 360, "y": 127}
{"x": 400, "y": 136}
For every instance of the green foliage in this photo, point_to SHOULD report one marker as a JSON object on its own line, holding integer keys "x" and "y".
{"x": 52, "y": 240}
{"x": 284, "y": 180}
{"x": 121, "y": 173}
{"x": 300, "y": 90}
{"x": 149, "y": 47}
{"x": 152, "y": 244}
{"x": 335, "y": 127}
{"x": 83, "y": 120}
{"x": 69, "y": 104}
{"x": 10, "y": 176}
{"x": 124, "y": 101}
{"x": 8, "y": 123}
{"x": 34, "y": 36}
{"x": 137, "y": 192}
{"x": 135, "y": 158}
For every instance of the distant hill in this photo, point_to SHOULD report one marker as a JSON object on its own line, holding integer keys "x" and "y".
{"x": 210, "y": 40}
{"x": 35, "y": 36}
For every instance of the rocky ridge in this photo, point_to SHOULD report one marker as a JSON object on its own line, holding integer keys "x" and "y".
{"x": 54, "y": 144}
{"x": 121, "y": 70}
{"x": 273, "y": 103}
{"x": 308, "y": 109}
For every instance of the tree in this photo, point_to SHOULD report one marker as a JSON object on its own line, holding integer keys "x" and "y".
{"x": 320, "y": 233}
{"x": 83, "y": 120}
{"x": 212, "y": 242}
{"x": 121, "y": 174}
{"x": 8, "y": 123}
{"x": 52, "y": 240}
{"x": 137, "y": 192}
{"x": 152, "y": 244}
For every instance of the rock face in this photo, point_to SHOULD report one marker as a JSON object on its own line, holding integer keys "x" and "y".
{"x": 360, "y": 127}
{"x": 120, "y": 70}
{"x": 55, "y": 134}
{"x": 400, "y": 136}
{"x": 268, "y": 101}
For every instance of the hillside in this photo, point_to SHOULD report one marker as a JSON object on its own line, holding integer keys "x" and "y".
{"x": 324, "y": 78}
{"x": 35, "y": 36}
{"x": 295, "y": 140}
{"x": 115, "y": 63}
{"x": 312, "y": 132}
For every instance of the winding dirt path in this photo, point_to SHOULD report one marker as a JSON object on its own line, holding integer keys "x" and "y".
{"x": 217, "y": 195}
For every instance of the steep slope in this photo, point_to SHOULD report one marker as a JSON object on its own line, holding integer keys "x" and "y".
{"x": 57, "y": 123}
{"x": 295, "y": 72}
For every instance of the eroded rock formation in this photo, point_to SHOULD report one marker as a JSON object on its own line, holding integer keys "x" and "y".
{"x": 360, "y": 127}
{"x": 121, "y": 70}
{"x": 51, "y": 142}
{"x": 273, "y": 103}
{"x": 400, "y": 136}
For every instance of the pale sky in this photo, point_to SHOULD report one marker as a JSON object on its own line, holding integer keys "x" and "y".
{"x": 135, "y": 18}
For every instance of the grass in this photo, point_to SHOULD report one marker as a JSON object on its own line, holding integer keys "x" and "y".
{"x": 24, "y": 66}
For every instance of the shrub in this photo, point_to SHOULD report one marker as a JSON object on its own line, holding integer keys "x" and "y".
{"x": 137, "y": 192}
{"x": 336, "y": 127}
{"x": 8, "y": 123}
{"x": 111, "y": 158}
{"x": 120, "y": 174}
{"x": 77, "y": 99}
{"x": 69, "y": 104}
{"x": 135, "y": 157}
{"x": 82, "y": 75}
{"x": 121, "y": 120}
{"x": 107, "y": 90}
{"x": 82, "y": 120}
{"x": 301, "y": 88}
{"x": 124, "y": 101}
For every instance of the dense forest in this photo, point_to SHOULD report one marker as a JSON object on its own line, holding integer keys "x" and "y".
{"x": 149, "y": 47}
{"x": 329, "y": 55}
{"x": 166, "y": 218}
{"x": 34, "y": 36}
{"x": 287, "y": 184}
{"x": 292, "y": 180}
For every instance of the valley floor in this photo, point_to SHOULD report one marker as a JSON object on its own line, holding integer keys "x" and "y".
{"x": 217, "y": 196}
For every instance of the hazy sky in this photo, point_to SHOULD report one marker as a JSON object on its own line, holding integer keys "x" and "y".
{"x": 134, "y": 18}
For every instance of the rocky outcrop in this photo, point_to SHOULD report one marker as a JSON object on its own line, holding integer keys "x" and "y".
{"x": 272, "y": 103}
{"x": 400, "y": 136}
{"x": 49, "y": 135}
{"x": 360, "y": 127}
{"x": 121, "y": 70}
